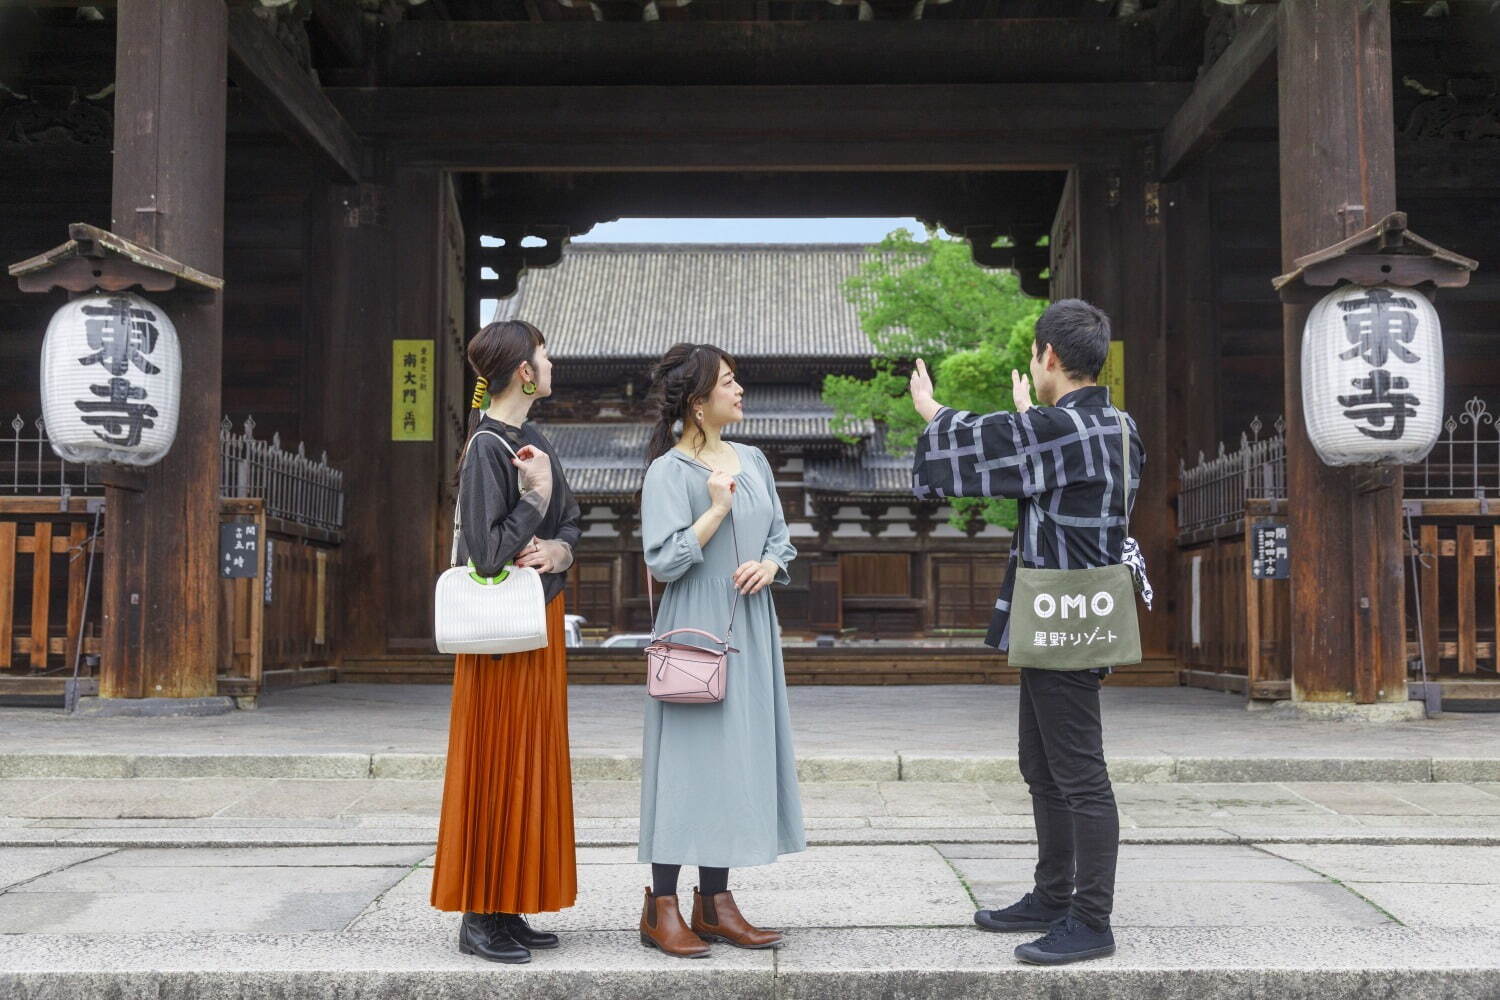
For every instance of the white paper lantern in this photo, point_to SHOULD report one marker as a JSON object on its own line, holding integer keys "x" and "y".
{"x": 1372, "y": 376}
{"x": 111, "y": 380}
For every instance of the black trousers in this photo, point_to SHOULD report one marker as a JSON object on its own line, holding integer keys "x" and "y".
{"x": 1062, "y": 760}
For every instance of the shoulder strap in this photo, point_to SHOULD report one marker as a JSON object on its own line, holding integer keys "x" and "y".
{"x": 733, "y": 607}
{"x": 457, "y": 516}
{"x": 1125, "y": 463}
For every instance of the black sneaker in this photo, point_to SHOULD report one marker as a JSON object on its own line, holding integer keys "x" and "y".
{"x": 1030, "y": 914}
{"x": 1069, "y": 940}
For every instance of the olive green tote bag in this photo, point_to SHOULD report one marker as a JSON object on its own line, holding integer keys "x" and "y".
{"x": 1077, "y": 619}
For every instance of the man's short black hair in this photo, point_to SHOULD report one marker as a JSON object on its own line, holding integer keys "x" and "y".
{"x": 1079, "y": 335}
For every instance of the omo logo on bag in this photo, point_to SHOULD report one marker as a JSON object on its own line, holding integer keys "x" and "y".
{"x": 1077, "y": 607}
{"x": 1101, "y": 605}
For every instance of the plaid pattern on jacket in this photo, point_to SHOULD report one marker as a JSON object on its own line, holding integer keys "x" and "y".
{"x": 1061, "y": 462}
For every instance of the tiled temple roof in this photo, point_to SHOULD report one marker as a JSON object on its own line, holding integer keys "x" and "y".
{"x": 753, "y": 300}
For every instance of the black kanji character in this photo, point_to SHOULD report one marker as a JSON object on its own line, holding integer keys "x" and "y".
{"x": 121, "y": 335}
{"x": 119, "y": 413}
{"x": 1378, "y": 325}
{"x": 1381, "y": 400}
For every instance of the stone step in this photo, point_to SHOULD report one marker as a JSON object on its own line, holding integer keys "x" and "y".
{"x": 843, "y": 767}
{"x": 950, "y": 963}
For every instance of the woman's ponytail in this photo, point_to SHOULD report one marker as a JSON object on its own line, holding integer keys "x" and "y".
{"x": 495, "y": 353}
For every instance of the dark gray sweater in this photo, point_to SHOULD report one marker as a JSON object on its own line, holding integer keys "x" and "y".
{"x": 497, "y": 522}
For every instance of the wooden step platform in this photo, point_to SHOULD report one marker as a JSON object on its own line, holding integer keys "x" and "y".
{"x": 804, "y": 665}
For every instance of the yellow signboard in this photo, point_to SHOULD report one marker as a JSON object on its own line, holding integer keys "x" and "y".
{"x": 1113, "y": 373}
{"x": 411, "y": 390}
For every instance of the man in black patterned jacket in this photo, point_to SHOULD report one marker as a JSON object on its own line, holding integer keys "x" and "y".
{"x": 1062, "y": 460}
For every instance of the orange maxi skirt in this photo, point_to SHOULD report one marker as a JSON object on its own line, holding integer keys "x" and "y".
{"x": 505, "y": 839}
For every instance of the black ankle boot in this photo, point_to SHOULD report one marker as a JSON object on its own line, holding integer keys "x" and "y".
{"x": 516, "y": 926}
{"x": 483, "y": 934}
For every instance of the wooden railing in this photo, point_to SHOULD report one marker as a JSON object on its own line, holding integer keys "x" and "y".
{"x": 44, "y": 572}
{"x": 1233, "y": 631}
{"x": 1229, "y": 623}
{"x": 278, "y": 626}
{"x": 1455, "y": 603}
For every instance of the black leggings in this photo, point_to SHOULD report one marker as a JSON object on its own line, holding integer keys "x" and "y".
{"x": 711, "y": 881}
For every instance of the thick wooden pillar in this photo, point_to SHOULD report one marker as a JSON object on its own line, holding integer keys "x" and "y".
{"x": 351, "y": 317}
{"x": 1337, "y": 176}
{"x": 1191, "y": 337}
{"x": 379, "y": 271}
{"x": 415, "y": 469}
{"x": 1108, "y": 247}
{"x": 161, "y": 581}
{"x": 1139, "y": 321}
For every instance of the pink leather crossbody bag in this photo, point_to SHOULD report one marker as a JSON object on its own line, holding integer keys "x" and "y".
{"x": 683, "y": 673}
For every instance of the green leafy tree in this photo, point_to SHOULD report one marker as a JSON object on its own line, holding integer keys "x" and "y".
{"x": 971, "y": 324}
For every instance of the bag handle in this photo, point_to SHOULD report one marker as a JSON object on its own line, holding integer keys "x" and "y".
{"x": 694, "y": 631}
{"x": 733, "y": 608}
{"x": 457, "y": 516}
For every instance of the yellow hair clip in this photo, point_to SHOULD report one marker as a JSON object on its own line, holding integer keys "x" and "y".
{"x": 481, "y": 390}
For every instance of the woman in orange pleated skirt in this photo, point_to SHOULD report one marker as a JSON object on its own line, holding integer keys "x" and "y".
{"x": 505, "y": 837}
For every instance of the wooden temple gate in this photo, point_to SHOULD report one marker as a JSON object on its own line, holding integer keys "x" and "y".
{"x": 345, "y": 184}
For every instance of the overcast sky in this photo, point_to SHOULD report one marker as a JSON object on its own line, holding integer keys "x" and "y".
{"x": 747, "y": 230}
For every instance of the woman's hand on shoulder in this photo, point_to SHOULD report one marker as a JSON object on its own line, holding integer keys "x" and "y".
{"x": 535, "y": 469}
{"x": 721, "y": 491}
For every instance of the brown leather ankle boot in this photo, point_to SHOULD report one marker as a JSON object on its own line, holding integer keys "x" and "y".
{"x": 662, "y": 927}
{"x": 717, "y": 918}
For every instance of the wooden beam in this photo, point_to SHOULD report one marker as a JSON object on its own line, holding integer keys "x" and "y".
{"x": 932, "y": 127}
{"x": 574, "y": 53}
{"x": 1245, "y": 67}
{"x": 289, "y": 95}
{"x": 579, "y": 200}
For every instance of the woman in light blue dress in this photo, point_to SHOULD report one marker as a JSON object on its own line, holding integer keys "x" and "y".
{"x": 719, "y": 781}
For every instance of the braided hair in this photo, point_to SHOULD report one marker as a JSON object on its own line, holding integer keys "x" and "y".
{"x": 684, "y": 377}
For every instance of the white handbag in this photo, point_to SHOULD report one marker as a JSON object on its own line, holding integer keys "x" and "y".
{"x": 498, "y": 614}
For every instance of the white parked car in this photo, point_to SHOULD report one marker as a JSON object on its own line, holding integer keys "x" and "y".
{"x": 637, "y": 640}
{"x": 573, "y": 629}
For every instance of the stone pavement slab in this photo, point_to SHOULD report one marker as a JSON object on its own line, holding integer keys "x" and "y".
{"x": 881, "y": 920}
{"x": 1410, "y": 863}
{"x": 19, "y": 865}
{"x": 966, "y": 733}
{"x": 144, "y": 812}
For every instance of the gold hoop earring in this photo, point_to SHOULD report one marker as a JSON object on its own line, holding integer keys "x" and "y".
{"x": 529, "y": 388}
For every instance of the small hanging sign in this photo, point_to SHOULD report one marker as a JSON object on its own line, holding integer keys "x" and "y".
{"x": 1113, "y": 373}
{"x": 1270, "y": 555}
{"x": 239, "y": 549}
{"x": 411, "y": 390}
